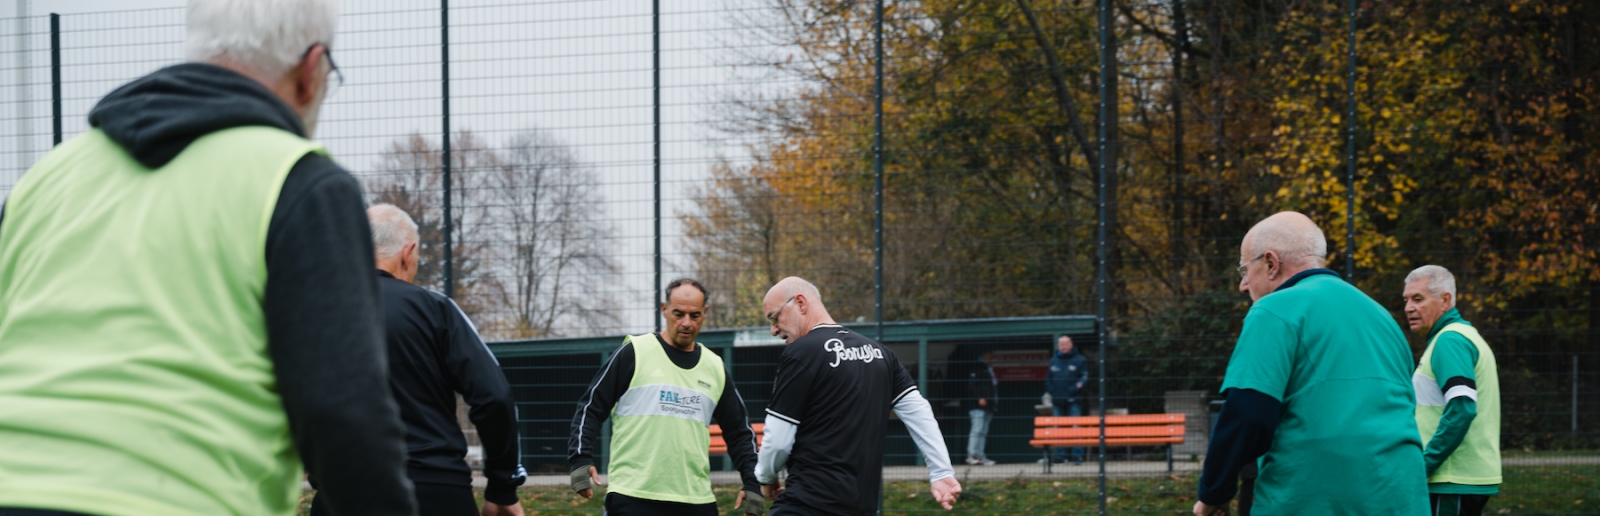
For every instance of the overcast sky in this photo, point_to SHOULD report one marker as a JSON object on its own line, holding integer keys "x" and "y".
{"x": 578, "y": 70}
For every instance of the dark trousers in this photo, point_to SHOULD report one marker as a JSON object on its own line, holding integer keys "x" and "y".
{"x": 623, "y": 505}
{"x": 789, "y": 509}
{"x": 5, "y": 511}
{"x": 1457, "y": 505}
{"x": 1066, "y": 408}
{"x": 432, "y": 500}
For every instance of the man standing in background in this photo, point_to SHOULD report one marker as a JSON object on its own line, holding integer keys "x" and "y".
{"x": 983, "y": 400}
{"x": 1069, "y": 372}
{"x": 1458, "y": 398}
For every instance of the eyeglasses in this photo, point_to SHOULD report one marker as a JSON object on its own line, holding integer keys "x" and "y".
{"x": 773, "y": 317}
{"x": 1242, "y": 266}
{"x": 335, "y": 77}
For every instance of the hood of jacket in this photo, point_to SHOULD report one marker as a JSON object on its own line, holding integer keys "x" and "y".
{"x": 157, "y": 116}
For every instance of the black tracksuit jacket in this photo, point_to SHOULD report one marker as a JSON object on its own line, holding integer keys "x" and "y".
{"x": 434, "y": 353}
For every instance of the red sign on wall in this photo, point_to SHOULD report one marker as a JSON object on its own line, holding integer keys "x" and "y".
{"x": 1020, "y": 365}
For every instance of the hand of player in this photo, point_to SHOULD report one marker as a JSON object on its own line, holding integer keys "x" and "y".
{"x": 945, "y": 491}
{"x": 584, "y": 484}
{"x": 1201, "y": 509}
{"x": 757, "y": 506}
{"x": 771, "y": 491}
{"x": 494, "y": 509}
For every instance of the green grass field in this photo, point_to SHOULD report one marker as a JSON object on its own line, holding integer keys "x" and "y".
{"x": 1527, "y": 490}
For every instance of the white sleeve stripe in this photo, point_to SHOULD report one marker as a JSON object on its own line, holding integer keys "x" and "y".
{"x": 1459, "y": 391}
{"x": 753, "y": 444}
{"x": 783, "y": 417}
{"x": 474, "y": 329}
{"x": 583, "y": 419}
{"x": 903, "y": 394}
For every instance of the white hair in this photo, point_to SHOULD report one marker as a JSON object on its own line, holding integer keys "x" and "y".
{"x": 1292, "y": 242}
{"x": 1439, "y": 280}
{"x": 265, "y": 36}
{"x": 392, "y": 229}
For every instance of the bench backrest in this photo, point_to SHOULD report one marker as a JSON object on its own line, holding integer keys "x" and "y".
{"x": 720, "y": 445}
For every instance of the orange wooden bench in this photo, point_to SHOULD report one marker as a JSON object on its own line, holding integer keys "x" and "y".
{"x": 1132, "y": 430}
{"x": 720, "y": 446}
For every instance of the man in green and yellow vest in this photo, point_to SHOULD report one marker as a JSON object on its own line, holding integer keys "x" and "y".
{"x": 661, "y": 393}
{"x": 187, "y": 306}
{"x": 1458, "y": 398}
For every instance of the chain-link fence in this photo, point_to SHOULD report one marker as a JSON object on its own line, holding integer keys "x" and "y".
{"x": 598, "y": 148}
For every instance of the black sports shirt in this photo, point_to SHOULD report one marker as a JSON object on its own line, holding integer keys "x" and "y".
{"x": 838, "y": 388}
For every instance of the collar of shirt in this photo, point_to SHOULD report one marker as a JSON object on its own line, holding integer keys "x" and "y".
{"x": 1445, "y": 319}
{"x": 1295, "y": 279}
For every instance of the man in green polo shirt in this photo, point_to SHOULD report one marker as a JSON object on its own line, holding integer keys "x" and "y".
{"x": 1458, "y": 398}
{"x": 1318, "y": 390}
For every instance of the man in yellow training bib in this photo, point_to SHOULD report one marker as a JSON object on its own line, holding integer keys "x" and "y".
{"x": 1458, "y": 398}
{"x": 661, "y": 392}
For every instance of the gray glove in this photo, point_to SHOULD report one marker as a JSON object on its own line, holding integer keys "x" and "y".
{"x": 580, "y": 479}
{"x": 754, "y": 504}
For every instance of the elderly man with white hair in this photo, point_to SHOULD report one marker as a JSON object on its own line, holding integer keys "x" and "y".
{"x": 435, "y": 353}
{"x": 1458, "y": 398}
{"x": 187, "y": 307}
{"x": 1318, "y": 390}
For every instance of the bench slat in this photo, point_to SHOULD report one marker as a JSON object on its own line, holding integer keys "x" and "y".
{"x": 719, "y": 445}
{"x": 1111, "y": 432}
{"x": 1135, "y": 419}
{"x": 1038, "y": 443}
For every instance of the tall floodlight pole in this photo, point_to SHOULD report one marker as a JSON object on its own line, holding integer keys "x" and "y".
{"x": 444, "y": 97}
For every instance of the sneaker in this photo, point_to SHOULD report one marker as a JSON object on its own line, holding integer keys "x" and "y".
{"x": 973, "y": 461}
{"x": 986, "y": 462}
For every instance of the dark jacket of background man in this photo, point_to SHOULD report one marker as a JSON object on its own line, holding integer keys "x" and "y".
{"x": 981, "y": 386}
{"x": 1067, "y": 376}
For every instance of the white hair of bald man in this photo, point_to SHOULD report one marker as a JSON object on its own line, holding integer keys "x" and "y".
{"x": 1439, "y": 280}
{"x": 1302, "y": 247}
{"x": 265, "y": 36}
{"x": 392, "y": 229}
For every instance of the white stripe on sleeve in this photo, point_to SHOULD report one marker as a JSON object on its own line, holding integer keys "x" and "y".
{"x": 776, "y": 444}
{"x": 1459, "y": 391}
{"x": 917, "y": 414}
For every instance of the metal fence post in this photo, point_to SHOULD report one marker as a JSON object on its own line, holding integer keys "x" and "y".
{"x": 877, "y": 169}
{"x": 1574, "y": 395}
{"x": 444, "y": 69}
{"x": 1106, "y": 167}
{"x": 655, "y": 145}
{"x": 1350, "y": 160}
{"x": 55, "y": 78}
{"x": 877, "y": 182}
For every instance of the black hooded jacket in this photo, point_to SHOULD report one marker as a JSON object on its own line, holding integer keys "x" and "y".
{"x": 321, "y": 304}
